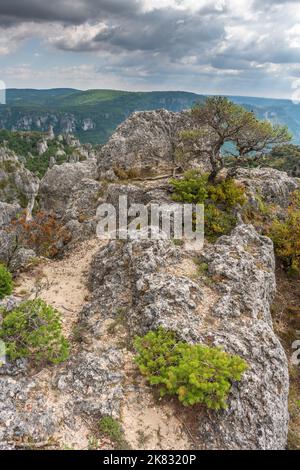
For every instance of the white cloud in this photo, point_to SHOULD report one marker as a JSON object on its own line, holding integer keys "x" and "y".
{"x": 11, "y": 38}
{"x": 293, "y": 36}
{"x": 160, "y": 43}
{"x": 76, "y": 37}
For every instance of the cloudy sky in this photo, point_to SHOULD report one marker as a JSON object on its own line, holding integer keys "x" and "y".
{"x": 241, "y": 47}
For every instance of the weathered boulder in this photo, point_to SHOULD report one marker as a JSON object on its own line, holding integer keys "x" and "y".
{"x": 257, "y": 417}
{"x": 8, "y": 242}
{"x": 158, "y": 192}
{"x": 248, "y": 284}
{"x": 14, "y": 256}
{"x": 135, "y": 194}
{"x": 272, "y": 185}
{"x": 17, "y": 184}
{"x": 95, "y": 383}
{"x": 80, "y": 215}
{"x": 7, "y": 213}
{"x": 36, "y": 409}
{"x": 137, "y": 277}
{"x": 82, "y": 203}
{"x": 147, "y": 141}
{"x": 7, "y": 246}
{"x": 59, "y": 183}
{"x": 164, "y": 295}
{"x": 21, "y": 259}
{"x": 19, "y": 420}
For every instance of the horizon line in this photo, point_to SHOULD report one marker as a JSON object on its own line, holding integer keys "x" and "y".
{"x": 152, "y": 91}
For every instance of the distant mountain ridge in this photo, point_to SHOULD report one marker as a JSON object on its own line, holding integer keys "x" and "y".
{"x": 93, "y": 115}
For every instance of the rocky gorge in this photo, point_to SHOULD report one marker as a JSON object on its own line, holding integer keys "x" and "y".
{"x": 110, "y": 291}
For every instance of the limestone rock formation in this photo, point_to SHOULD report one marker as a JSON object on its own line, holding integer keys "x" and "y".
{"x": 86, "y": 387}
{"x": 135, "y": 276}
{"x": 80, "y": 215}
{"x": 152, "y": 283}
{"x": 17, "y": 184}
{"x": 147, "y": 141}
{"x": 7, "y": 213}
{"x": 42, "y": 146}
{"x": 7, "y": 240}
{"x": 21, "y": 259}
{"x": 58, "y": 184}
{"x": 272, "y": 185}
{"x": 11, "y": 254}
{"x": 258, "y": 416}
{"x": 88, "y": 124}
{"x": 158, "y": 192}
{"x": 7, "y": 246}
{"x": 97, "y": 379}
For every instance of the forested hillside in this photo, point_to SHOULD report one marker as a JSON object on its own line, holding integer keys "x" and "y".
{"x": 93, "y": 115}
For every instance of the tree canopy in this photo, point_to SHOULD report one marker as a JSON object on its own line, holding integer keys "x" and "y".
{"x": 225, "y": 122}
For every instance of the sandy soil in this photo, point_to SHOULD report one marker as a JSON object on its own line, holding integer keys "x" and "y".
{"x": 61, "y": 283}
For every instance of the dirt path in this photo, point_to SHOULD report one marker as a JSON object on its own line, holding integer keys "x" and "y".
{"x": 61, "y": 283}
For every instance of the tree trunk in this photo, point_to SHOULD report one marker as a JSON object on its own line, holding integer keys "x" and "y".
{"x": 217, "y": 164}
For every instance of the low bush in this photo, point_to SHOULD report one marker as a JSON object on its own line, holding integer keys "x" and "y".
{"x": 217, "y": 222}
{"x": 127, "y": 174}
{"x": 33, "y": 330}
{"x": 195, "y": 373}
{"x": 227, "y": 192}
{"x": 219, "y": 200}
{"x": 192, "y": 188}
{"x": 44, "y": 234}
{"x": 6, "y": 282}
{"x": 195, "y": 188}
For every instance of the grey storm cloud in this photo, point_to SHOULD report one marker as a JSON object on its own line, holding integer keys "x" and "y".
{"x": 227, "y": 40}
{"x": 67, "y": 11}
{"x": 265, "y": 4}
{"x": 165, "y": 30}
{"x": 264, "y": 52}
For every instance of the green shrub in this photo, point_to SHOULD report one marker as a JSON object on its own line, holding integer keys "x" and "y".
{"x": 192, "y": 188}
{"x": 6, "y": 283}
{"x": 34, "y": 330}
{"x": 219, "y": 200}
{"x": 217, "y": 222}
{"x": 202, "y": 266}
{"x": 227, "y": 192}
{"x": 111, "y": 428}
{"x": 195, "y": 373}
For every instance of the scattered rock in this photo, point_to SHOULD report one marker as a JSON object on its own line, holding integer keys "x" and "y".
{"x": 10, "y": 302}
